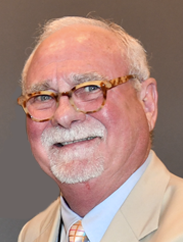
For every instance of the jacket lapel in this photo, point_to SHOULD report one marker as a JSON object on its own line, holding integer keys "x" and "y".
{"x": 119, "y": 230}
{"x": 139, "y": 215}
{"x": 50, "y": 227}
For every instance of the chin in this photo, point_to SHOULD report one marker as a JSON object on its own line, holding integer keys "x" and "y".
{"x": 77, "y": 171}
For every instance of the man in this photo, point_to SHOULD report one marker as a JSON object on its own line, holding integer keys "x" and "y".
{"x": 91, "y": 107}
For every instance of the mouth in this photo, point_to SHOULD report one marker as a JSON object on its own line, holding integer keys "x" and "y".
{"x": 62, "y": 144}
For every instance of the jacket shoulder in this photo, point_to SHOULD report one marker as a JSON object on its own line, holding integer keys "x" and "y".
{"x": 41, "y": 222}
{"x": 170, "y": 224}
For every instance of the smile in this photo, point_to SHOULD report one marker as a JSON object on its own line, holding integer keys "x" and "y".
{"x": 74, "y": 141}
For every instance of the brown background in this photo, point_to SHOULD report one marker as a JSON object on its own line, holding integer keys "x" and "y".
{"x": 25, "y": 189}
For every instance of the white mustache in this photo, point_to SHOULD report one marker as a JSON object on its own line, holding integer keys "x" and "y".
{"x": 77, "y": 133}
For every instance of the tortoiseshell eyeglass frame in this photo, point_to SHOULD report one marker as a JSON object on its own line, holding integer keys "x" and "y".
{"x": 105, "y": 85}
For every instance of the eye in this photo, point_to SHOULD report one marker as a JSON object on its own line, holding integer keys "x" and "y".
{"x": 91, "y": 88}
{"x": 43, "y": 98}
{"x": 40, "y": 99}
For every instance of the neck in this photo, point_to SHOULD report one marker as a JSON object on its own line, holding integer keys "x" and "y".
{"x": 83, "y": 197}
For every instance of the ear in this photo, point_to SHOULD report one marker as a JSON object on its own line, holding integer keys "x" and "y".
{"x": 149, "y": 98}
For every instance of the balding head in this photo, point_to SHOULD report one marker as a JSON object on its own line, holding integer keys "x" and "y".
{"x": 129, "y": 47}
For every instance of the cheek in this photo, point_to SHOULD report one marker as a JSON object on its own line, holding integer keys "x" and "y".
{"x": 122, "y": 119}
{"x": 114, "y": 115}
{"x": 34, "y": 132}
{"x": 115, "y": 121}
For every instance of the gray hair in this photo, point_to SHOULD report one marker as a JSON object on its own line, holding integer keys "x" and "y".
{"x": 134, "y": 53}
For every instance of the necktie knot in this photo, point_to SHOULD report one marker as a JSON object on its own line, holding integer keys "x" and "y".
{"x": 77, "y": 233}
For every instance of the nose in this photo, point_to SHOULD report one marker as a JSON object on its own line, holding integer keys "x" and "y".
{"x": 66, "y": 114}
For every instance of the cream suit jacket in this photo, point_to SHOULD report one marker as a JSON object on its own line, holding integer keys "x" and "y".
{"x": 152, "y": 212}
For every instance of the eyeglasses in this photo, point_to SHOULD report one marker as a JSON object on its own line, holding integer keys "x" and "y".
{"x": 88, "y": 97}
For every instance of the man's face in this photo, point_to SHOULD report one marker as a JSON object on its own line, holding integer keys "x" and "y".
{"x": 109, "y": 144}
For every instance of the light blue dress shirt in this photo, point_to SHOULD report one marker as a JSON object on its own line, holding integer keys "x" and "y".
{"x": 96, "y": 222}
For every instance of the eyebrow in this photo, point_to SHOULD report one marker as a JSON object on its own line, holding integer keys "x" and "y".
{"x": 74, "y": 79}
{"x": 85, "y": 77}
{"x": 41, "y": 86}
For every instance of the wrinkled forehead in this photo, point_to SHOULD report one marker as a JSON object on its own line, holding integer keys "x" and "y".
{"x": 80, "y": 38}
{"x": 82, "y": 33}
{"x": 78, "y": 49}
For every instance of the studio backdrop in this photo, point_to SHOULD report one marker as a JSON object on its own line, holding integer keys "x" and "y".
{"x": 25, "y": 189}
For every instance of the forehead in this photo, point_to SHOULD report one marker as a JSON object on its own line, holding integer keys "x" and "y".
{"x": 77, "y": 49}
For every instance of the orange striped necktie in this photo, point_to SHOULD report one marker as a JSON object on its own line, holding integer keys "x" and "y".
{"x": 77, "y": 233}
